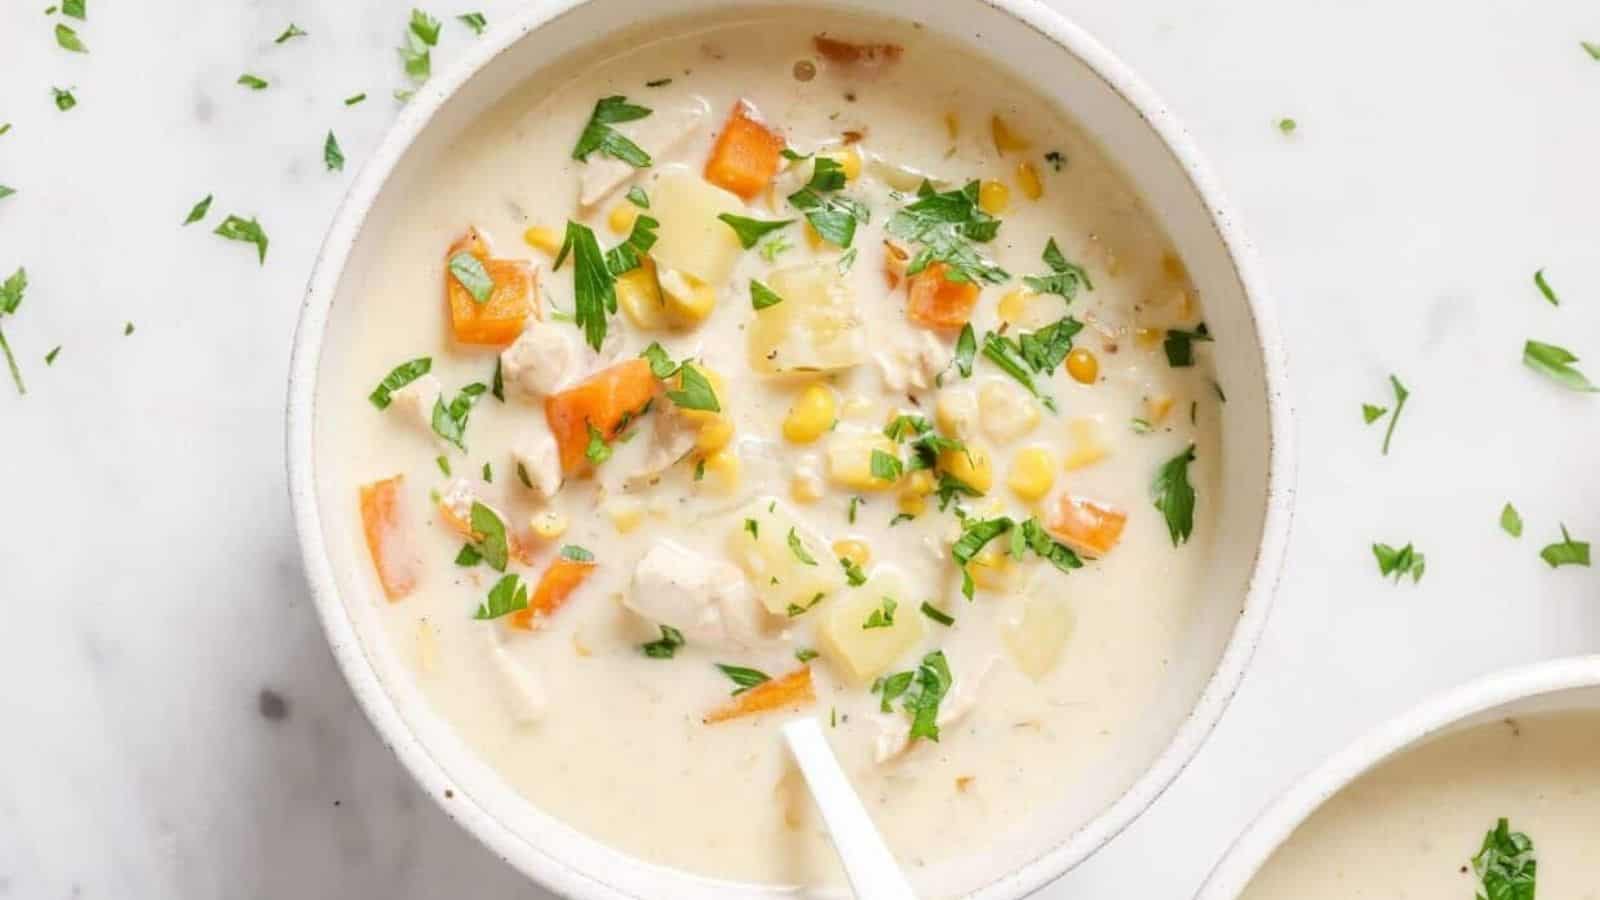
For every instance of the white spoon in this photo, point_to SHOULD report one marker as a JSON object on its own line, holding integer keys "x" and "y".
{"x": 868, "y": 864}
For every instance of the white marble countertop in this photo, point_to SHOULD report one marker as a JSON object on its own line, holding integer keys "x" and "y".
{"x": 174, "y": 726}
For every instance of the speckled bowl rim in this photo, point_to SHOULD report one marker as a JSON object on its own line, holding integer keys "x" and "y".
{"x": 558, "y": 874}
{"x": 1264, "y": 836}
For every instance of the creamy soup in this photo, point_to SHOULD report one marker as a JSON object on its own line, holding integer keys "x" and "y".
{"x": 839, "y": 377}
{"x": 1426, "y": 825}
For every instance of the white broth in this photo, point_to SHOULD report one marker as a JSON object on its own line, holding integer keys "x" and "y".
{"x": 702, "y": 521}
{"x": 1411, "y": 828}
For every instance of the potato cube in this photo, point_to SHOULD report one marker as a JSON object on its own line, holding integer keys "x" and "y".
{"x": 860, "y": 653}
{"x": 691, "y": 240}
{"x": 1036, "y": 639}
{"x": 816, "y": 328}
{"x": 772, "y": 545}
{"x": 850, "y": 460}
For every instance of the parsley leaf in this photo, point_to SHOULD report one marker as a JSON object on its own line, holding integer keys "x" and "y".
{"x": 425, "y": 27}
{"x": 1174, "y": 496}
{"x": 598, "y": 135}
{"x": 1401, "y": 395}
{"x": 667, "y": 646}
{"x": 946, "y": 224}
{"x": 1545, "y": 289}
{"x": 68, "y": 39}
{"x": 1064, "y": 276}
{"x": 293, "y": 31}
{"x": 750, "y": 231}
{"x": 474, "y": 20}
{"x": 354, "y": 99}
{"x": 450, "y": 422}
{"x": 469, "y": 272}
{"x": 1555, "y": 363}
{"x": 885, "y": 466}
{"x": 497, "y": 384}
{"x": 332, "y": 156}
{"x": 966, "y": 348}
{"x": 933, "y": 682}
{"x": 806, "y": 654}
{"x": 883, "y": 616}
{"x": 6, "y": 191}
{"x": 1179, "y": 345}
{"x": 834, "y": 217}
{"x": 249, "y": 231}
{"x": 1505, "y": 865}
{"x": 661, "y": 365}
{"x": 1046, "y": 348}
{"x": 799, "y": 549}
{"x": 11, "y": 298}
{"x": 1287, "y": 126}
{"x": 468, "y": 556}
{"x": 50, "y": 358}
{"x": 1042, "y": 544}
{"x": 64, "y": 99}
{"x": 598, "y": 451}
{"x": 1591, "y": 48}
{"x": 937, "y": 614}
{"x": 508, "y": 595}
{"x": 1511, "y": 521}
{"x": 199, "y": 211}
{"x": 74, "y": 8}
{"x": 775, "y": 245}
{"x": 399, "y": 377}
{"x": 638, "y": 197}
{"x": 253, "y": 82}
{"x": 1007, "y": 354}
{"x": 594, "y": 286}
{"x": 576, "y": 553}
{"x": 1399, "y": 563}
{"x": 852, "y": 572}
{"x": 754, "y": 527}
{"x": 490, "y": 535}
{"x": 1371, "y": 413}
{"x": 1567, "y": 552}
{"x": 976, "y": 535}
{"x": 695, "y": 391}
{"x": 629, "y": 255}
{"x": 743, "y": 678}
{"x": 762, "y": 296}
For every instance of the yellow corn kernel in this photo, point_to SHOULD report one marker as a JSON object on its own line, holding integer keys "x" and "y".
{"x": 805, "y": 488}
{"x": 622, "y": 217}
{"x": 952, "y": 125}
{"x": 1157, "y": 407}
{"x": 1083, "y": 366}
{"x": 994, "y": 197}
{"x": 1028, "y": 180}
{"x": 625, "y": 514}
{"x": 990, "y": 568}
{"x": 722, "y": 470}
{"x": 714, "y": 435}
{"x": 704, "y": 417}
{"x": 542, "y": 238}
{"x": 548, "y": 524}
{"x": 920, "y": 483}
{"x": 849, "y": 159}
{"x": 971, "y": 467}
{"x": 1006, "y": 140}
{"x": 687, "y": 299}
{"x": 853, "y": 550}
{"x": 1014, "y": 304}
{"x": 1087, "y": 448}
{"x": 1147, "y": 338}
{"x": 813, "y": 238}
{"x": 640, "y": 297}
{"x": 912, "y": 504}
{"x": 1033, "y": 473}
{"x": 811, "y": 415}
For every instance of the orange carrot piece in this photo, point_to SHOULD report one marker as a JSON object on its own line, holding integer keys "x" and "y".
{"x": 604, "y": 401}
{"x": 498, "y": 320}
{"x": 850, "y": 53}
{"x": 793, "y": 689}
{"x": 556, "y": 584}
{"x": 1089, "y": 527}
{"x": 938, "y": 302}
{"x": 396, "y": 560}
{"x": 746, "y": 155}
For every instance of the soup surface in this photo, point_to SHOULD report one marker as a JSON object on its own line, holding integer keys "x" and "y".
{"x": 1416, "y": 828}
{"x": 841, "y": 377}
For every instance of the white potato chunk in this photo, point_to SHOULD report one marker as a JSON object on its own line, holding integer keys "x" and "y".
{"x": 657, "y": 134}
{"x": 535, "y": 456}
{"x": 543, "y": 359}
{"x": 707, "y": 599}
{"x": 912, "y": 361}
{"x": 1006, "y": 410}
{"x": 1036, "y": 637}
{"x": 860, "y": 653}
{"x": 956, "y": 412}
{"x": 414, "y": 402}
{"x": 967, "y": 676}
{"x": 520, "y": 690}
{"x": 691, "y": 240}
{"x": 771, "y": 552}
{"x": 817, "y": 327}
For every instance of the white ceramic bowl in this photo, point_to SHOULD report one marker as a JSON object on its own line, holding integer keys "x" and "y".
{"x": 1062, "y": 63}
{"x": 1555, "y": 686}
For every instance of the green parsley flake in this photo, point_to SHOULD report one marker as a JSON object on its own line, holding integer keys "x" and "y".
{"x": 947, "y": 225}
{"x": 1555, "y": 363}
{"x": 933, "y": 681}
{"x": 1399, "y": 563}
{"x": 882, "y": 616}
{"x": 1401, "y": 395}
{"x": 1287, "y": 126}
{"x": 68, "y": 39}
{"x": 661, "y": 365}
{"x": 806, "y": 654}
{"x": 695, "y": 391}
{"x": 754, "y": 527}
{"x": 293, "y": 31}
{"x": 354, "y": 99}
{"x": 489, "y": 534}
{"x": 450, "y": 421}
{"x": 474, "y": 20}
{"x": 799, "y": 549}
{"x": 834, "y": 217}
{"x": 751, "y": 231}
{"x": 469, "y": 272}
{"x": 1007, "y": 355}
{"x": 852, "y": 572}
{"x": 508, "y": 595}
{"x": 1545, "y": 289}
{"x": 594, "y": 286}
{"x": 598, "y": 135}
{"x": 598, "y": 451}
{"x": 127, "y": 329}
{"x": 762, "y": 296}
{"x": 65, "y": 99}
{"x": 1567, "y": 552}
{"x": 1591, "y": 48}
{"x": 488, "y": 474}
{"x": 425, "y": 27}
{"x": 443, "y": 464}
{"x": 937, "y": 614}
{"x": 1370, "y": 413}
{"x": 253, "y": 82}
{"x": 332, "y": 156}
{"x": 248, "y": 231}
{"x": 1505, "y": 865}
{"x": 744, "y": 679}
{"x": 198, "y": 211}
{"x": 966, "y": 349}
{"x": 886, "y": 466}
{"x": 774, "y": 246}
{"x": 11, "y": 291}
{"x": 399, "y": 377}
{"x": 1511, "y": 521}
{"x": 1064, "y": 277}
{"x": 77, "y": 9}
{"x": 6, "y": 191}
{"x": 576, "y": 554}
{"x": 1175, "y": 497}
{"x": 50, "y": 358}
{"x": 1179, "y": 345}
{"x": 666, "y": 646}
{"x": 5, "y": 128}
{"x": 638, "y": 197}
{"x": 629, "y": 255}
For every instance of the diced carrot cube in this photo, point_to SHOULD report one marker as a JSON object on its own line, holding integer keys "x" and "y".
{"x": 498, "y": 320}
{"x": 556, "y": 584}
{"x": 399, "y": 567}
{"x": 793, "y": 689}
{"x": 938, "y": 302}
{"x": 1089, "y": 527}
{"x": 605, "y": 401}
{"x": 849, "y": 53}
{"x": 746, "y": 155}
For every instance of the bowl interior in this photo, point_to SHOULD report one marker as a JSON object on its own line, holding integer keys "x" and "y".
{"x": 1251, "y": 511}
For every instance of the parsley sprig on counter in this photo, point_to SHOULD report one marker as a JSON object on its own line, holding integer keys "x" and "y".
{"x": 947, "y": 225}
{"x": 1566, "y": 552}
{"x": 1555, "y": 363}
{"x": 1399, "y": 563}
{"x": 249, "y": 231}
{"x": 11, "y": 298}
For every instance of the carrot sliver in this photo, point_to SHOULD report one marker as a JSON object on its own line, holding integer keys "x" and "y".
{"x": 498, "y": 320}
{"x": 1089, "y": 527}
{"x": 555, "y": 586}
{"x": 393, "y": 557}
{"x": 603, "y": 401}
{"x": 746, "y": 155}
{"x": 937, "y": 302}
{"x": 793, "y": 689}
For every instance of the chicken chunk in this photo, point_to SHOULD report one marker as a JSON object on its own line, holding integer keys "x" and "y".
{"x": 542, "y": 360}
{"x": 658, "y": 134}
{"x": 672, "y": 436}
{"x": 538, "y": 461}
{"x": 707, "y": 599}
{"x": 415, "y": 401}
{"x": 913, "y": 362}
{"x": 894, "y": 730}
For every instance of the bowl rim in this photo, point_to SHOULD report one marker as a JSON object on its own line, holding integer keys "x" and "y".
{"x": 556, "y": 873}
{"x": 1266, "y": 834}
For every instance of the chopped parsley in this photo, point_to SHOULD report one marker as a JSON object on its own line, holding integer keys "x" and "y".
{"x": 68, "y": 39}
{"x": 947, "y": 225}
{"x": 248, "y": 231}
{"x": 975, "y": 535}
{"x": 854, "y": 503}
{"x": 450, "y": 421}
{"x": 594, "y": 286}
{"x": 576, "y": 554}
{"x": 598, "y": 451}
{"x": 11, "y": 298}
{"x": 799, "y": 549}
{"x": 754, "y": 527}
{"x": 762, "y": 296}
{"x": 5, "y": 128}
{"x": 1399, "y": 563}
{"x": 775, "y": 245}
{"x": 399, "y": 377}
{"x": 695, "y": 391}
{"x": 1555, "y": 363}
{"x": 834, "y": 217}
{"x": 421, "y": 34}
{"x": 666, "y": 646}
{"x": 50, "y": 358}
{"x": 1048, "y": 347}
{"x": 64, "y": 98}
{"x": 1174, "y": 496}
{"x": 198, "y": 211}
{"x": 744, "y": 679}
{"x": 6, "y": 191}
{"x": 1401, "y": 395}
{"x": 332, "y": 156}
{"x": 497, "y": 383}
{"x": 966, "y": 349}
{"x": 443, "y": 464}
{"x": 1064, "y": 277}
{"x": 885, "y": 466}
{"x": 806, "y": 654}
{"x": 932, "y": 683}
{"x": 353, "y": 99}
{"x": 882, "y": 616}
{"x": 1566, "y": 552}
{"x": 661, "y": 365}
{"x": 629, "y": 255}
{"x": 293, "y": 31}
{"x": 75, "y": 8}
{"x": 1007, "y": 355}
{"x": 253, "y": 82}
{"x": 852, "y": 572}
{"x": 522, "y": 476}
{"x": 127, "y": 329}
{"x": 1505, "y": 865}
{"x": 796, "y": 609}
{"x": 1545, "y": 289}
{"x": 847, "y": 261}
{"x": 489, "y": 536}
{"x": 904, "y": 426}
{"x": 751, "y": 231}
{"x": 508, "y": 595}
{"x": 937, "y": 614}
{"x": 1035, "y": 538}
{"x": 1370, "y": 413}
{"x": 1511, "y": 521}
{"x": 468, "y": 556}
{"x": 1591, "y": 48}
{"x": 1179, "y": 345}
{"x": 1287, "y": 126}
{"x": 488, "y": 474}
{"x": 598, "y": 135}
{"x": 891, "y": 687}
{"x": 474, "y": 20}
{"x": 425, "y": 27}
{"x": 469, "y": 272}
